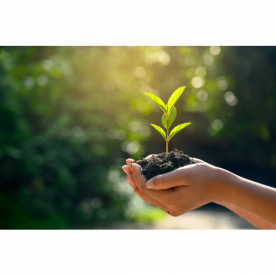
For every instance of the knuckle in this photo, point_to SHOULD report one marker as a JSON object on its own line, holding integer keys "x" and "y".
{"x": 174, "y": 212}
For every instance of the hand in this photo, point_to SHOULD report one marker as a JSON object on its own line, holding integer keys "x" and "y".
{"x": 215, "y": 184}
{"x": 128, "y": 170}
{"x": 179, "y": 191}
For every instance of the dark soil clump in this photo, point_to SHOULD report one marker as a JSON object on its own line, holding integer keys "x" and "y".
{"x": 162, "y": 163}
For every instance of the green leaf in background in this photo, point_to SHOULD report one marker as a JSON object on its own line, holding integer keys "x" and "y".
{"x": 177, "y": 129}
{"x": 174, "y": 97}
{"x": 157, "y": 100}
{"x": 160, "y": 130}
{"x": 171, "y": 118}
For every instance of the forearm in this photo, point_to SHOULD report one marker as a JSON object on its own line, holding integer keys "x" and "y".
{"x": 255, "y": 198}
{"x": 248, "y": 216}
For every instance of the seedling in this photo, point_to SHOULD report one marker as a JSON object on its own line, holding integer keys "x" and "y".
{"x": 169, "y": 115}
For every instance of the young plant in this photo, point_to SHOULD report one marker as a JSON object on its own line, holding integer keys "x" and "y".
{"x": 169, "y": 115}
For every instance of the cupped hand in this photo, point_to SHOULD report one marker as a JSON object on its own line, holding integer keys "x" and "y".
{"x": 179, "y": 191}
{"x": 128, "y": 170}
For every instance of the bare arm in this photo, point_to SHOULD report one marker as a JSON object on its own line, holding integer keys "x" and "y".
{"x": 248, "y": 216}
{"x": 253, "y": 201}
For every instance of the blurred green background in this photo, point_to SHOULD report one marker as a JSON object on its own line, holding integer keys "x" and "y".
{"x": 70, "y": 116}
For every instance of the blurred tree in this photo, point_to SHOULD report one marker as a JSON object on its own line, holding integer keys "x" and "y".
{"x": 252, "y": 128}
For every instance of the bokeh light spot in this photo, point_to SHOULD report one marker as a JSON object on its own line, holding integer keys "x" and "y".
{"x": 208, "y": 59}
{"x": 96, "y": 202}
{"x": 215, "y": 50}
{"x": 114, "y": 176}
{"x": 217, "y": 124}
{"x": 134, "y": 126}
{"x": 156, "y": 47}
{"x": 230, "y": 98}
{"x": 197, "y": 82}
{"x": 200, "y": 71}
{"x": 47, "y": 64}
{"x": 162, "y": 57}
{"x": 146, "y": 88}
{"x": 29, "y": 82}
{"x": 140, "y": 72}
{"x": 202, "y": 95}
{"x": 42, "y": 80}
{"x": 222, "y": 83}
{"x": 131, "y": 147}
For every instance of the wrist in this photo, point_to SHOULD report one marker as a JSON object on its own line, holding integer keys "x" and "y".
{"x": 220, "y": 186}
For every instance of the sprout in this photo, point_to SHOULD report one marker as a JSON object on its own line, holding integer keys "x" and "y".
{"x": 169, "y": 115}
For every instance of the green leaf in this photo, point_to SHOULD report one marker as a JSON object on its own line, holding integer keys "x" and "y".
{"x": 160, "y": 130}
{"x": 177, "y": 129}
{"x": 171, "y": 118}
{"x": 157, "y": 100}
{"x": 174, "y": 97}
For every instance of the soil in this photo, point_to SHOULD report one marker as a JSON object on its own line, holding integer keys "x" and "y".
{"x": 162, "y": 163}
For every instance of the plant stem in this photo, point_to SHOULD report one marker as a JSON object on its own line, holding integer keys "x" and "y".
{"x": 167, "y": 140}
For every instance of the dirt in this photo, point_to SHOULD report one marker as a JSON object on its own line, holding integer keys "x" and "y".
{"x": 162, "y": 163}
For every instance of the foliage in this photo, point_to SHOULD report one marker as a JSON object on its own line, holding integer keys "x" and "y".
{"x": 150, "y": 215}
{"x": 169, "y": 115}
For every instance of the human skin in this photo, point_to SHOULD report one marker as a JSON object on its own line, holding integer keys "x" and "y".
{"x": 198, "y": 184}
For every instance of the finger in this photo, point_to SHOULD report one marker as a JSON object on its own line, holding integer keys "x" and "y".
{"x": 128, "y": 161}
{"x": 166, "y": 180}
{"x": 138, "y": 192}
{"x": 160, "y": 195}
{"x": 150, "y": 156}
{"x": 155, "y": 202}
{"x": 131, "y": 181}
{"x": 126, "y": 169}
{"x": 144, "y": 197}
{"x": 196, "y": 160}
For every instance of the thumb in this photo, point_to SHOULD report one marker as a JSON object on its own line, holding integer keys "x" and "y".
{"x": 165, "y": 181}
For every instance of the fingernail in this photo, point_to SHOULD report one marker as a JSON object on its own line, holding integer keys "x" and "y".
{"x": 149, "y": 184}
